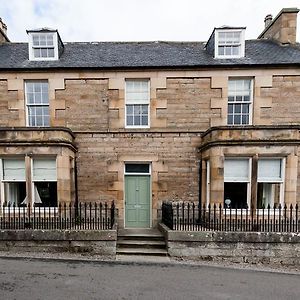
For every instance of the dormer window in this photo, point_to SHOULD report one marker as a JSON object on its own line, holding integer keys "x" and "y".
{"x": 229, "y": 43}
{"x": 44, "y": 44}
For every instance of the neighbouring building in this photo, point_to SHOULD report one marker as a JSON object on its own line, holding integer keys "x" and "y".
{"x": 144, "y": 122}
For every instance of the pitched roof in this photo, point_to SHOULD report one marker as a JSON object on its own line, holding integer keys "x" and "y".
{"x": 126, "y": 55}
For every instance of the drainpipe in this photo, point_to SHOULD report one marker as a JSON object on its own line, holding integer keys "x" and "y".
{"x": 76, "y": 183}
{"x": 200, "y": 186}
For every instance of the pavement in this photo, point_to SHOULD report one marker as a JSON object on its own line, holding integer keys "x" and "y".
{"x": 140, "y": 259}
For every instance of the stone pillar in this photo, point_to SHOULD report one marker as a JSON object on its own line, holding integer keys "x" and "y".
{"x": 28, "y": 180}
{"x": 63, "y": 179}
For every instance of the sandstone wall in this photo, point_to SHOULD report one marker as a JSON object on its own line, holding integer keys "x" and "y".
{"x": 285, "y": 95}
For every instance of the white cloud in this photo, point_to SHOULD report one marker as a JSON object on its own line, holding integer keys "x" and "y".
{"x": 120, "y": 20}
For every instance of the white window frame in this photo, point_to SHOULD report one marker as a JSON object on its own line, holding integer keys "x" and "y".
{"x": 147, "y": 102}
{"x": 241, "y": 44}
{"x": 245, "y": 181}
{"x": 242, "y": 102}
{"x": 281, "y": 182}
{"x": 31, "y": 105}
{"x": 32, "y": 47}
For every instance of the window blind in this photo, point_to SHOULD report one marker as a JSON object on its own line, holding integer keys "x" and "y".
{"x": 236, "y": 170}
{"x": 44, "y": 170}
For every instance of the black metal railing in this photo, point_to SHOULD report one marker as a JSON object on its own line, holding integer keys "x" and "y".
{"x": 190, "y": 217}
{"x": 84, "y": 216}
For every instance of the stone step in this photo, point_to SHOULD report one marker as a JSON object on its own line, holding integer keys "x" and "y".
{"x": 140, "y": 238}
{"x": 141, "y": 244}
{"x": 142, "y": 251}
{"x": 140, "y": 234}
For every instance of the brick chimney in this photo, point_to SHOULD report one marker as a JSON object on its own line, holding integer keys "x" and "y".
{"x": 3, "y": 32}
{"x": 282, "y": 28}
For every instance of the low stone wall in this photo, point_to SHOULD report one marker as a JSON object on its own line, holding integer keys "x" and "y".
{"x": 248, "y": 247}
{"x": 75, "y": 241}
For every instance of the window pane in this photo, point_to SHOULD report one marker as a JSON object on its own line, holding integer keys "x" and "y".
{"x": 129, "y": 109}
{"x": 245, "y": 108}
{"x": 37, "y": 98}
{"x": 245, "y": 119}
{"x": 237, "y": 119}
{"x": 227, "y": 50}
{"x": 137, "y": 120}
{"x": 129, "y": 120}
{"x": 50, "y": 52}
{"x": 35, "y": 40}
{"x": 15, "y": 193}
{"x": 230, "y": 120}
{"x": 44, "y": 52}
{"x": 45, "y": 194}
{"x": 37, "y": 52}
{"x": 221, "y": 50}
{"x": 145, "y": 120}
{"x": 137, "y": 109}
{"x": 268, "y": 194}
{"x": 137, "y": 168}
{"x": 49, "y": 39}
{"x": 237, "y": 108}
{"x": 236, "y": 192}
{"x": 30, "y": 98}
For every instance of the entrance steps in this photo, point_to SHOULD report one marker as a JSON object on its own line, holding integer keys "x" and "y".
{"x": 142, "y": 242}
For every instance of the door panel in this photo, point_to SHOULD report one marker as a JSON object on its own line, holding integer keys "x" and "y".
{"x": 137, "y": 201}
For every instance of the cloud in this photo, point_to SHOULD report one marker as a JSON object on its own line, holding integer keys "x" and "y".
{"x": 119, "y": 20}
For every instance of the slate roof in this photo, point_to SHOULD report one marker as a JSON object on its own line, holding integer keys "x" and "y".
{"x": 126, "y": 55}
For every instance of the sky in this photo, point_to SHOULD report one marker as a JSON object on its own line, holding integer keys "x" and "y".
{"x": 138, "y": 20}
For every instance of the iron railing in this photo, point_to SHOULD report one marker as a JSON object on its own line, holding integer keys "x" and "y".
{"x": 84, "y": 216}
{"x": 190, "y": 217}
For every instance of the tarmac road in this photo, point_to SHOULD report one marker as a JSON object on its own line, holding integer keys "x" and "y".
{"x": 50, "y": 279}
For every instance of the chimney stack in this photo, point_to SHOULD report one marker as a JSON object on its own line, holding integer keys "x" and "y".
{"x": 3, "y": 32}
{"x": 268, "y": 20}
{"x": 282, "y": 28}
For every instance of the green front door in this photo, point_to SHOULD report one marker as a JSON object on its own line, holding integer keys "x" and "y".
{"x": 137, "y": 201}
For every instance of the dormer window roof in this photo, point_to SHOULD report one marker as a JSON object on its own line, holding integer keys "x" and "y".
{"x": 44, "y": 44}
{"x": 227, "y": 42}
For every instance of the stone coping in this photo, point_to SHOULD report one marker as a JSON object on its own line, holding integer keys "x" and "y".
{"x": 228, "y": 237}
{"x": 58, "y": 235}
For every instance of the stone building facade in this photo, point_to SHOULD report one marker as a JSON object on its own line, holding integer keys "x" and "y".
{"x": 140, "y": 123}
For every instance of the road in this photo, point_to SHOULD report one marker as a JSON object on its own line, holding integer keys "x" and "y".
{"x": 40, "y": 279}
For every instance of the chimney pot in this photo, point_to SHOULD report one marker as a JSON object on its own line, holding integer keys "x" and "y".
{"x": 268, "y": 20}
